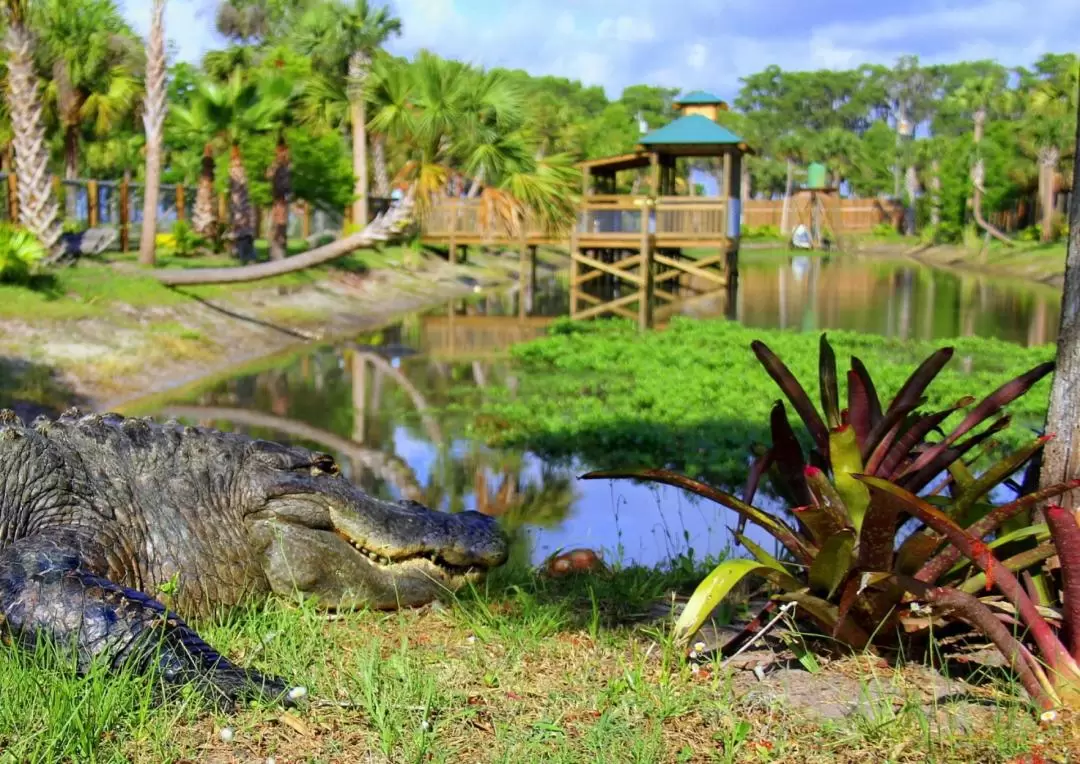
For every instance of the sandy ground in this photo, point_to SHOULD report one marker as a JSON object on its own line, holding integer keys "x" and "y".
{"x": 102, "y": 363}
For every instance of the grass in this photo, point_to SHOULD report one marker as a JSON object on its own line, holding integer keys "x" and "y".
{"x": 528, "y": 669}
{"x": 92, "y": 287}
{"x": 695, "y": 397}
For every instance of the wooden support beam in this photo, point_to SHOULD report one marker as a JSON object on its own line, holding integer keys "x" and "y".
{"x": 612, "y": 306}
{"x": 125, "y": 210}
{"x": 181, "y": 203}
{"x": 685, "y": 267}
{"x": 614, "y": 270}
{"x": 92, "y": 203}
{"x": 575, "y": 290}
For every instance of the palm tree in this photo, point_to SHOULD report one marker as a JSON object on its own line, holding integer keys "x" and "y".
{"x": 93, "y": 57}
{"x": 792, "y": 149}
{"x": 928, "y": 157}
{"x": 1046, "y": 131}
{"x": 343, "y": 37}
{"x": 154, "y": 121}
{"x": 221, "y": 115}
{"x": 37, "y": 209}
{"x": 978, "y": 95}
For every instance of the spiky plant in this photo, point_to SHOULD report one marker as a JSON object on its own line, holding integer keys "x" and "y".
{"x": 154, "y": 121}
{"x": 38, "y": 210}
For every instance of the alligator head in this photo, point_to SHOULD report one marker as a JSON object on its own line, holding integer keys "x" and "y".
{"x": 317, "y": 534}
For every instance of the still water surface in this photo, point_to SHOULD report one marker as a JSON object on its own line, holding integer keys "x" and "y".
{"x": 374, "y": 402}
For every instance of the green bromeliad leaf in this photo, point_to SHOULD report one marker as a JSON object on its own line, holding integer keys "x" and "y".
{"x": 712, "y": 591}
{"x": 847, "y": 461}
{"x": 833, "y": 563}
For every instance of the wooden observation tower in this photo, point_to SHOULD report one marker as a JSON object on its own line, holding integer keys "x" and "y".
{"x": 640, "y": 249}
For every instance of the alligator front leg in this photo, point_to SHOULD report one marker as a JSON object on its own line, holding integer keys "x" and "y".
{"x": 48, "y": 590}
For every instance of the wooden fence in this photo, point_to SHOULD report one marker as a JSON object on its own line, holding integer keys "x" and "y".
{"x": 119, "y": 204}
{"x": 846, "y": 215}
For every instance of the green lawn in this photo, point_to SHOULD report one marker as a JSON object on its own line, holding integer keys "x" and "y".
{"x": 526, "y": 669}
{"x": 90, "y": 287}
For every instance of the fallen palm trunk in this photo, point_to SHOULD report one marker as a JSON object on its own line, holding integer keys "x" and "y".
{"x": 380, "y": 229}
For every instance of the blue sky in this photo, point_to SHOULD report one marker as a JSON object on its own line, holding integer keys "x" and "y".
{"x": 693, "y": 43}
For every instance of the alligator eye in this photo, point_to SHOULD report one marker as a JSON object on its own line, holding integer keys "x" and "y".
{"x": 323, "y": 464}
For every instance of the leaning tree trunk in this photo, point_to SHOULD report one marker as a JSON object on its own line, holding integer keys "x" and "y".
{"x": 381, "y": 169}
{"x": 37, "y": 209}
{"x": 280, "y": 188}
{"x": 154, "y": 122}
{"x": 978, "y": 174}
{"x": 241, "y": 215}
{"x": 935, "y": 193}
{"x": 1061, "y": 456}
{"x": 204, "y": 217}
{"x": 785, "y": 212}
{"x": 1048, "y": 161}
{"x": 358, "y": 66}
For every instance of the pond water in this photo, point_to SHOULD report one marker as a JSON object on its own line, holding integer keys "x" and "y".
{"x": 375, "y": 401}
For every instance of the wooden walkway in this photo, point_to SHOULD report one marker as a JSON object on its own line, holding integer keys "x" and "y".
{"x": 632, "y": 247}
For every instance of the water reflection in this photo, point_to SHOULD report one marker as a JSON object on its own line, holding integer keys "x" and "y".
{"x": 383, "y": 403}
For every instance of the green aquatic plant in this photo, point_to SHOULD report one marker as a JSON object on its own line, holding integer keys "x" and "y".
{"x": 845, "y": 536}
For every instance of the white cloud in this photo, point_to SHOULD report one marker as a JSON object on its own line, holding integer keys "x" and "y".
{"x": 696, "y": 56}
{"x": 646, "y": 41}
{"x": 626, "y": 29}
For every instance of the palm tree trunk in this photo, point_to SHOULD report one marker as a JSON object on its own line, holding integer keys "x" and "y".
{"x": 280, "y": 188}
{"x": 242, "y": 220}
{"x": 785, "y": 213}
{"x": 204, "y": 218}
{"x": 476, "y": 184}
{"x": 1061, "y": 457}
{"x": 1048, "y": 166}
{"x": 911, "y": 186}
{"x": 382, "y": 170}
{"x": 935, "y": 193}
{"x": 37, "y": 209}
{"x": 154, "y": 122}
{"x": 358, "y": 116}
{"x": 978, "y": 172}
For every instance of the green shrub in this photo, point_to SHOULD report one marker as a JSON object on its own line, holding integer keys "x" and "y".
{"x": 185, "y": 242}
{"x": 761, "y": 232}
{"x": 20, "y": 254}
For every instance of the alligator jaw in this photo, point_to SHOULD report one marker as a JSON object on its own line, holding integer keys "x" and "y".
{"x": 415, "y": 561}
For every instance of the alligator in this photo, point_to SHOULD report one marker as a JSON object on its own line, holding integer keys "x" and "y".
{"x": 105, "y": 518}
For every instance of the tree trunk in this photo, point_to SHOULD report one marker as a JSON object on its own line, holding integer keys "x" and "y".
{"x": 242, "y": 221}
{"x": 1061, "y": 456}
{"x": 1048, "y": 162}
{"x": 785, "y": 212}
{"x": 358, "y": 116}
{"x": 154, "y": 122}
{"x": 935, "y": 193}
{"x": 37, "y": 208}
{"x": 280, "y": 188}
{"x": 381, "y": 169}
{"x": 978, "y": 173}
{"x": 204, "y": 217}
{"x": 911, "y": 186}
{"x": 476, "y": 184}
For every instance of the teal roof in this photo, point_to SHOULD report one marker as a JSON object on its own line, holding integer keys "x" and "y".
{"x": 693, "y": 129}
{"x": 698, "y": 97}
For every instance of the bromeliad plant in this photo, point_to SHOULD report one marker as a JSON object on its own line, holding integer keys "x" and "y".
{"x": 847, "y": 569}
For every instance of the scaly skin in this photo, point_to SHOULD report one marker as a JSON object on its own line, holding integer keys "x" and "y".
{"x": 98, "y": 513}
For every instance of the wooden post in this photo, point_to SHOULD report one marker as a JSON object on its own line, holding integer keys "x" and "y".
{"x": 645, "y": 295}
{"x": 223, "y": 208}
{"x": 125, "y": 209}
{"x": 181, "y": 203}
{"x": 575, "y": 270}
{"x": 452, "y": 254}
{"x": 348, "y": 216}
{"x": 92, "y": 202}
{"x": 523, "y": 269}
{"x": 258, "y": 221}
{"x": 305, "y": 227}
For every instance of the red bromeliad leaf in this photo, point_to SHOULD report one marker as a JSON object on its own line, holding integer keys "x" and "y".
{"x": 915, "y": 435}
{"x": 920, "y": 379}
{"x": 993, "y": 520}
{"x": 828, "y": 500}
{"x": 989, "y": 406}
{"x": 753, "y": 478}
{"x": 1065, "y": 530}
{"x": 884, "y": 433}
{"x": 867, "y": 385}
{"x": 788, "y": 455}
{"x": 1052, "y": 649}
{"x": 1017, "y": 563}
{"x": 877, "y": 538}
{"x": 858, "y": 409}
{"x": 915, "y": 481}
{"x": 830, "y": 393}
{"x": 794, "y": 543}
{"x": 794, "y": 392}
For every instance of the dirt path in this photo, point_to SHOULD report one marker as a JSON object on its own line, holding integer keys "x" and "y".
{"x": 101, "y": 363}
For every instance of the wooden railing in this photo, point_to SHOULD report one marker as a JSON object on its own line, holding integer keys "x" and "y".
{"x": 468, "y": 218}
{"x": 689, "y": 218}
